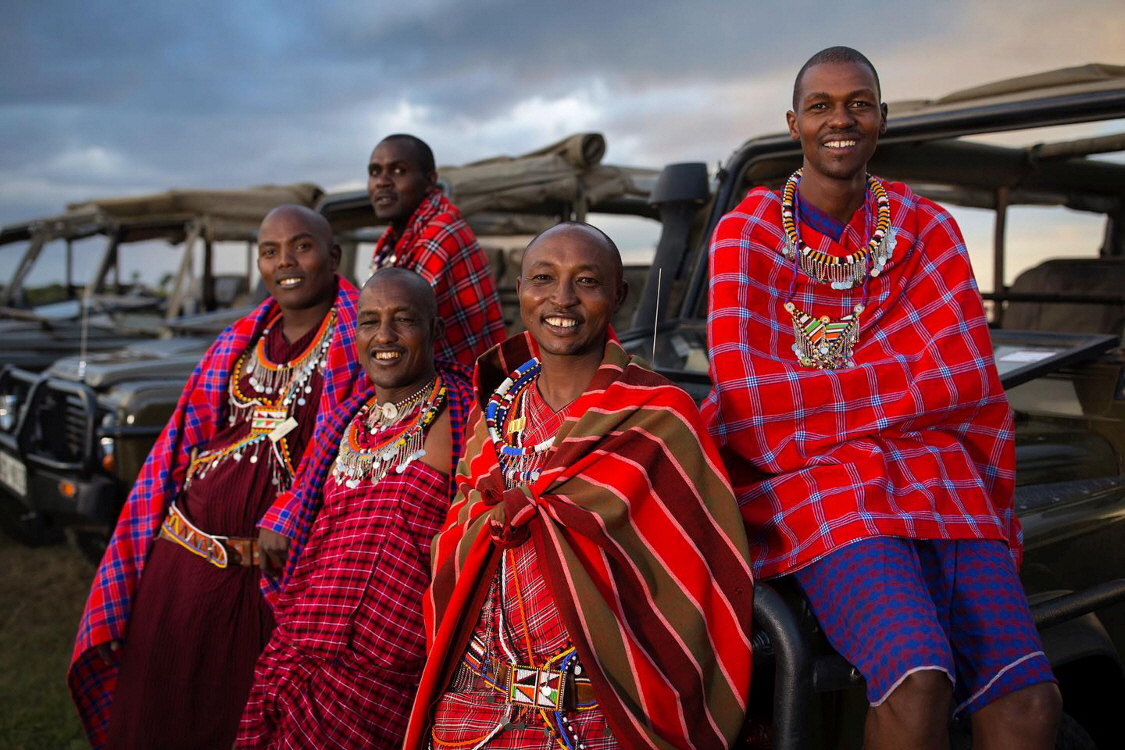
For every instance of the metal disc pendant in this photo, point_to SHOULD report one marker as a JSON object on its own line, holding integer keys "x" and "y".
{"x": 390, "y": 412}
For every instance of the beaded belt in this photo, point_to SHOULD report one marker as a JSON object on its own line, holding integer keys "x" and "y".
{"x": 528, "y": 686}
{"x": 220, "y": 551}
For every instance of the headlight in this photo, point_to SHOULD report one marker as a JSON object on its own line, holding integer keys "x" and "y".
{"x": 108, "y": 444}
{"x": 9, "y": 411}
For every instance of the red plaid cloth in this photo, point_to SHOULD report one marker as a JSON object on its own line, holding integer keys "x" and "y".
{"x": 198, "y": 416}
{"x": 914, "y": 441}
{"x": 438, "y": 245}
{"x": 640, "y": 543}
{"x": 343, "y": 664}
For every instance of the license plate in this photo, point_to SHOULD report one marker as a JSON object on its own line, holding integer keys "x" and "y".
{"x": 13, "y": 474}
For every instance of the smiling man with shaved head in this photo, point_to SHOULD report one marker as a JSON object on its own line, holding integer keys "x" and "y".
{"x": 176, "y": 618}
{"x": 594, "y": 552}
{"x": 344, "y": 661}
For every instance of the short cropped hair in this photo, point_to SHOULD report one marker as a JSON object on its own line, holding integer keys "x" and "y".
{"x": 422, "y": 151}
{"x": 835, "y": 55}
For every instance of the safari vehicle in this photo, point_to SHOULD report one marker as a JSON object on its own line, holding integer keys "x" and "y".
{"x": 108, "y": 321}
{"x": 1056, "y": 331}
{"x": 48, "y": 311}
{"x": 85, "y": 426}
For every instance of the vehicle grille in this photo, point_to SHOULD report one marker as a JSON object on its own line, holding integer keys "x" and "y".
{"x": 60, "y": 425}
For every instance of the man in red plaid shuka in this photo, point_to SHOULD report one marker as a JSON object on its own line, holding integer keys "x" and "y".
{"x": 591, "y": 586}
{"x": 428, "y": 236}
{"x": 866, "y": 431}
{"x": 175, "y": 620}
{"x": 345, "y": 658}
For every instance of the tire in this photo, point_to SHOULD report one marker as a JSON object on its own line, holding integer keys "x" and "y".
{"x": 1072, "y": 736}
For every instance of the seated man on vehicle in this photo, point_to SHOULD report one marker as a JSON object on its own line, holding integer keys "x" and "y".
{"x": 345, "y": 658}
{"x": 591, "y": 586}
{"x": 175, "y": 620}
{"x": 866, "y": 431}
{"x": 428, "y": 235}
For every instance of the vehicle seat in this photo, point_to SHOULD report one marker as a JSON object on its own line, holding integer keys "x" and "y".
{"x": 1074, "y": 275}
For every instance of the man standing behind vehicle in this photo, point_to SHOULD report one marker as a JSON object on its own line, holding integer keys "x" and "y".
{"x": 428, "y": 235}
{"x": 591, "y": 586}
{"x": 344, "y": 661}
{"x": 175, "y": 620}
{"x": 867, "y": 434}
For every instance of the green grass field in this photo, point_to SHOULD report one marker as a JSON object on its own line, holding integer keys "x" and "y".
{"x": 42, "y": 591}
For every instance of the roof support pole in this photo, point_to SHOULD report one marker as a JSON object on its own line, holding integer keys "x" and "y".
{"x": 998, "y": 233}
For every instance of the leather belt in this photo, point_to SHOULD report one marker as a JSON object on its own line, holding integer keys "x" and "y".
{"x": 220, "y": 551}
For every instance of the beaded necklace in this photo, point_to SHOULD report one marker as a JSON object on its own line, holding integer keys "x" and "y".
{"x": 518, "y": 463}
{"x": 368, "y": 452}
{"x": 389, "y": 413}
{"x": 821, "y": 342}
{"x": 273, "y": 393}
{"x": 849, "y": 270}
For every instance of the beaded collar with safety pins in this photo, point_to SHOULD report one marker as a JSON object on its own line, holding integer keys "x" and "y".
{"x": 371, "y": 456}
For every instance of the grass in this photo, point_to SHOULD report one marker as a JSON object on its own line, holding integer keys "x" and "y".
{"x": 42, "y": 591}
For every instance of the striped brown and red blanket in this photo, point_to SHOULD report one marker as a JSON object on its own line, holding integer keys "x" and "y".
{"x": 642, "y": 545}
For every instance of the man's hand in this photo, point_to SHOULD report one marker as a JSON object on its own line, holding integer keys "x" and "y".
{"x": 107, "y": 652}
{"x": 273, "y": 549}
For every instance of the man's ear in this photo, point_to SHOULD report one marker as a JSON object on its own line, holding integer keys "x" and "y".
{"x": 335, "y": 253}
{"x": 883, "y": 121}
{"x": 431, "y": 179}
{"x": 622, "y": 294}
{"x": 791, "y": 121}
{"x": 438, "y": 328}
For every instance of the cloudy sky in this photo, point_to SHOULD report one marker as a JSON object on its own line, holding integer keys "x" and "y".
{"x": 105, "y": 98}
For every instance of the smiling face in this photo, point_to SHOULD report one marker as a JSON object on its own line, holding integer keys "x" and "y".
{"x": 297, "y": 258}
{"x": 396, "y": 181}
{"x": 838, "y": 119}
{"x": 396, "y": 325}
{"x": 569, "y": 288}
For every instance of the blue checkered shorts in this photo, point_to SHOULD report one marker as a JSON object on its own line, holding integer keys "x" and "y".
{"x": 894, "y": 606}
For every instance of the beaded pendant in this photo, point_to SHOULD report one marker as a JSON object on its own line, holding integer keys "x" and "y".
{"x": 824, "y": 343}
{"x": 849, "y": 270}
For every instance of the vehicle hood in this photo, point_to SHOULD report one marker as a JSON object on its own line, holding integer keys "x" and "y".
{"x": 161, "y": 358}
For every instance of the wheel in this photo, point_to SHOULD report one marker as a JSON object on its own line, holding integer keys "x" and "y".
{"x": 1072, "y": 736}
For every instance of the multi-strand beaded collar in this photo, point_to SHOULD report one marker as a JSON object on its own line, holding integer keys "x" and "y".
{"x": 275, "y": 390}
{"x": 375, "y": 443}
{"x": 851, "y": 269}
{"x": 821, "y": 342}
{"x": 519, "y": 463}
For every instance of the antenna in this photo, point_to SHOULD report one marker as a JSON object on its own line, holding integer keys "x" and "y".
{"x": 656, "y": 315}
{"x": 84, "y": 314}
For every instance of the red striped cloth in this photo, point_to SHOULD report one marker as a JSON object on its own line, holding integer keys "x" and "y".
{"x": 915, "y": 440}
{"x": 641, "y": 546}
{"x": 439, "y": 245}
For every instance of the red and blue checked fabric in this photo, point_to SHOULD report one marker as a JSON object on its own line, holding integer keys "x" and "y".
{"x": 439, "y": 245}
{"x": 307, "y": 491}
{"x": 641, "y": 545}
{"x": 199, "y": 413}
{"x": 915, "y": 440}
{"x": 892, "y": 606}
{"x": 343, "y": 663}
